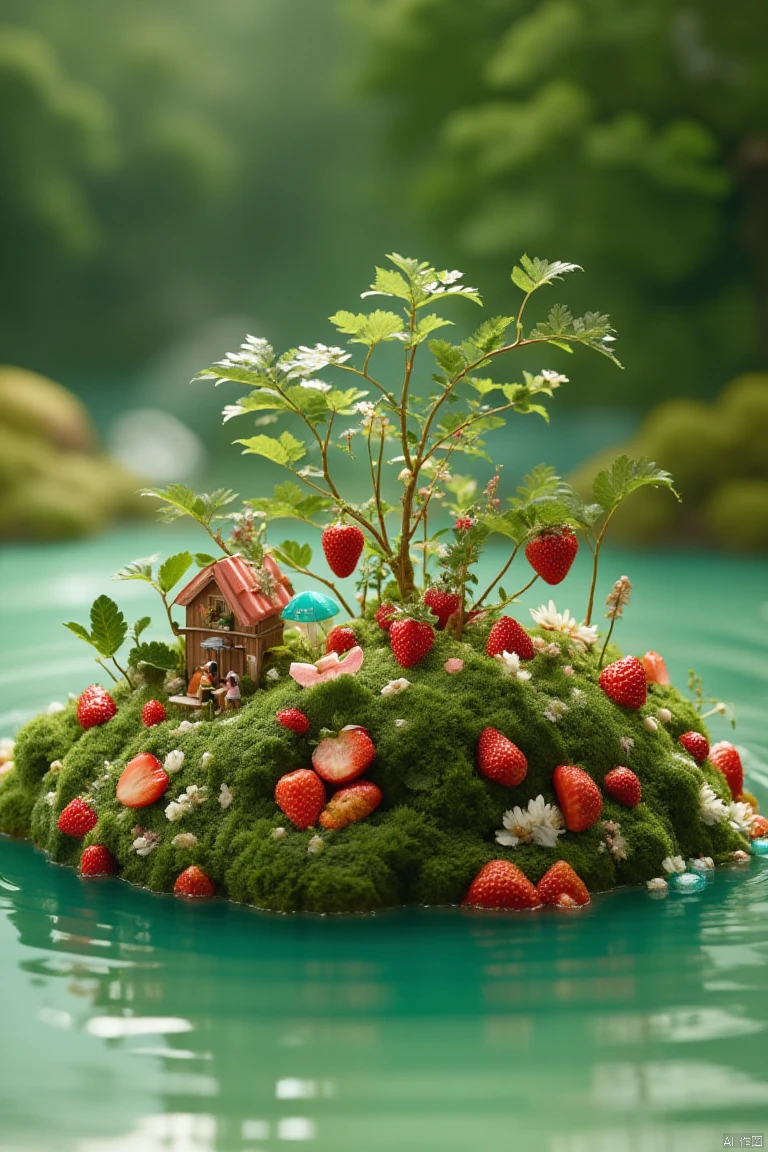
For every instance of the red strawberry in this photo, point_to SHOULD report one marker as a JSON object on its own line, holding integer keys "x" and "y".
{"x": 77, "y": 819}
{"x": 194, "y": 884}
{"x": 463, "y": 524}
{"x": 499, "y": 759}
{"x": 622, "y": 785}
{"x": 501, "y": 884}
{"x": 727, "y": 760}
{"x": 759, "y": 827}
{"x": 97, "y": 861}
{"x": 341, "y": 757}
{"x": 695, "y": 745}
{"x": 443, "y": 604}
{"x": 552, "y": 552}
{"x": 293, "y": 720}
{"x": 655, "y": 668}
{"x": 153, "y": 713}
{"x": 410, "y": 640}
{"x": 384, "y": 616}
{"x": 143, "y": 781}
{"x": 578, "y": 796}
{"x": 624, "y": 682}
{"x": 342, "y": 545}
{"x": 301, "y": 795}
{"x": 95, "y": 706}
{"x": 507, "y": 635}
{"x": 349, "y": 805}
{"x": 562, "y": 886}
{"x": 340, "y": 639}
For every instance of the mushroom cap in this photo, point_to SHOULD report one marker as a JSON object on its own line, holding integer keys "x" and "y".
{"x": 310, "y": 607}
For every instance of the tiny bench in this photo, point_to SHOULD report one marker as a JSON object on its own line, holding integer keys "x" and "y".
{"x": 185, "y": 701}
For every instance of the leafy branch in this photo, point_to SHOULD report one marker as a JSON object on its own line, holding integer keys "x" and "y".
{"x": 107, "y": 634}
{"x": 163, "y": 580}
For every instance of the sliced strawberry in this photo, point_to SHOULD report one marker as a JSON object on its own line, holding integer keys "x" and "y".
{"x": 194, "y": 884}
{"x": 507, "y": 635}
{"x": 340, "y": 639}
{"x": 342, "y": 757}
{"x": 301, "y": 796}
{"x": 501, "y": 884}
{"x": 727, "y": 760}
{"x": 624, "y": 682}
{"x": 153, "y": 713}
{"x": 552, "y": 552}
{"x": 342, "y": 545}
{"x": 499, "y": 759}
{"x": 578, "y": 796}
{"x": 351, "y": 804}
{"x": 443, "y": 604}
{"x": 294, "y": 720}
{"x": 143, "y": 781}
{"x": 562, "y": 886}
{"x": 655, "y": 668}
{"x": 77, "y": 819}
{"x": 95, "y": 706}
{"x": 96, "y": 860}
{"x": 695, "y": 745}
{"x": 623, "y": 786}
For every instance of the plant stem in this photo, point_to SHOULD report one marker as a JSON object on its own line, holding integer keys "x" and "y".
{"x": 595, "y": 563}
{"x": 494, "y": 582}
{"x": 108, "y": 671}
{"x": 607, "y": 642}
{"x": 514, "y": 596}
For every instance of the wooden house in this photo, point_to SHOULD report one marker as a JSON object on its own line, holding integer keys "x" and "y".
{"x": 229, "y": 619}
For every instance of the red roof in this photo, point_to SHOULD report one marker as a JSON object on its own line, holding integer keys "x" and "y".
{"x": 237, "y": 583}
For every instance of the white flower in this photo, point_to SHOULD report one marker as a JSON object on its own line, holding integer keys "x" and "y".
{"x": 55, "y": 766}
{"x": 186, "y": 726}
{"x": 306, "y": 360}
{"x": 741, "y": 817}
{"x": 650, "y": 724}
{"x": 545, "y": 649}
{"x": 665, "y": 715}
{"x": 555, "y": 711}
{"x": 395, "y": 686}
{"x": 205, "y": 759}
{"x": 50, "y": 797}
{"x": 554, "y": 379}
{"x": 627, "y": 744}
{"x": 254, "y": 353}
{"x": 54, "y": 707}
{"x": 404, "y": 475}
{"x": 143, "y": 845}
{"x": 273, "y": 674}
{"x": 184, "y": 840}
{"x": 225, "y": 796}
{"x": 173, "y": 761}
{"x": 618, "y": 598}
{"x": 510, "y": 663}
{"x": 659, "y": 884}
{"x": 192, "y": 798}
{"x": 615, "y": 841}
{"x": 174, "y": 811}
{"x": 316, "y": 385}
{"x": 315, "y": 845}
{"x": 278, "y": 833}
{"x": 567, "y": 670}
{"x": 518, "y": 828}
{"x": 400, "y": 723}
{"x": 702, "y": 864}
{"x": 579, "y": 696}
{"x": 311, "y": 472}
{"x": 713, "y": 810}
{"x": 541, "y": 824}
{"x": 548, "y": 617}
{"x": 673, "y": 864}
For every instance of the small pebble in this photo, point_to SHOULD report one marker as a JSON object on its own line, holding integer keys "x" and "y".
{"x": 650, "y": 724}
{"x": 705, "y": 865}
{"x": 760, "y": 846}
{"x": 665, "y": 715}
{"x": 658, "y": 884}
{"x": 688, "y": 882}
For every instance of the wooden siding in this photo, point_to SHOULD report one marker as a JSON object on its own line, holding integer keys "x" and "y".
{"x": 246, "y": 644}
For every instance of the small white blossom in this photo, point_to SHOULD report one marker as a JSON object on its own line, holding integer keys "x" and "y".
{"x": 225, "y": 796}
{"x": 54, "y": 707}
{"x": 658, "y": 884}
{"x": 205, "y": 759}
{"x": 627, "y": 744}
{"x": 395, "y": 686}
{"x": 254, "y": 353}
{"x": 665, "y": 715}
{"x": 615, "y": 841}
{"x": 618, "y": 598}
{"x": 184, "y": 840}
{"x": 400, "y": 723}
{"x": 555, "y": 711}
{"x": 713, "y": 809}
{"x": 50, "y": 798}
{"x": 278, "y": 833}
{"x": 741, "y": 817}
{"x": 673, "y": 864}
{"x": 547, "y": 617}
{"x": 309, "y": 471}
{"x": 55, "y": 766}
{"x": 510, "y": 664}
{"x": 404, "y": 475}
{"x": 173, "y": 761}
{"x": 273, "y": 674}
{"x": 544, "y": 648}
{"x": 567, "y": 670}
{"x": 553, "y": 379}
{"x": 579, "y": 696}
{"x": 185, "y": 726}
{"x": 650, "y": 724}
{"x": 540, "y": 823}
{"x": 306, "y": 360}
{"x": 145, "y": 844}
{"x": 316, "y": 385}
{"x": 186, "y": 803}
{"x": 702, "y": 864}
{"x": 315, "y": 845}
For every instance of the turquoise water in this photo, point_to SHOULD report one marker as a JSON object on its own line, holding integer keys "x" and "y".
{"x": 133, "y": 1022}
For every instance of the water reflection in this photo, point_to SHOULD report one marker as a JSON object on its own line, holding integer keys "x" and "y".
{"x": 142, "y": 1023}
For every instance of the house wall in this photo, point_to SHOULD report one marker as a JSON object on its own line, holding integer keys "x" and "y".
{"x": 249, "y": 642}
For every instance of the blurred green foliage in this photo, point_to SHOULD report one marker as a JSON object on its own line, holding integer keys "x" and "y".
{"x": 632, "y": 138}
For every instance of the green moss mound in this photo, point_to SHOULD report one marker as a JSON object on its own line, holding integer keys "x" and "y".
{"x": 436, "y": 827}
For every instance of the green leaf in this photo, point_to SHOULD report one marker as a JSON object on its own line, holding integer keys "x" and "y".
{"x": 221, "y": 372}
{"x": 534, "y": 273}
{"x": 261, "y": 400}
{"x": 156, "y": 654}
{"x": 389, "y": 283}
{"x": 80, "y": 631}
{"x": 344, "y": 402}
{"x": 172, "y": 570}
{"x": 285, "y": 449}
{"x": 614, "y": 484}
{"x": 140, "y": 626}
{"x": 370, "y": 328}
{"x": 290, "y": 502}
{"x": 311, "y": 402}
{"x": 489, "y": 336}
{"x": 108, "y": 626}
{"x": 482, "y": 386}
{"x": 203, "y": 559}
{"x": 294, "y": 553}
{"x": 428, "y": 324}
{"x": 178, "y": 501}
{"x": 593, "y": 330}
{"x": 450, "y": 358}
{"x": 138, "y": 570}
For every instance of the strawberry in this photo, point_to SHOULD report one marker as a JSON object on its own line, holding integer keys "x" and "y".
{"x": 562, "y": 886}
{"x": 622, "y": 785}
{"x": 143, "y": 781}
{"x": 340, "y": 639}
{"x": 463, "y": 524}
{"x": 695, "y": 745}
{"x": 624, "y": 682}
{"x": 507, "y": 635}
{"x": 194, "y": 884}
{"x": 411, "y": 640}
{"x": 97, "y": 861}
{"x": 443, "y": 604}
{"x": 301, "y": 796}
{"x": 342, "y": 545}
{"x": 343, "y": 756}
{"x": 499, "y": 759}
{"x": 95, "y": 706}
{"x": 349, "y": 805}
{"x": 77, "y": 819}
{"x": 578, "y": 796}
{"x": 293, "y": 720}
{"x": 655, "y": 668}
{"x": 727, "y": 760}
{"x": 552, "y": 552}
{"x": 501, "y": 884}
{"x": 759, "y": 827}
{"x": 384, "y": 616}
{"x": 153, "y": 713}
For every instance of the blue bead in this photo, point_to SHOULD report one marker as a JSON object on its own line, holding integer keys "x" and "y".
{"x": 760, "y": 847}
{"x": 687, "y": 882}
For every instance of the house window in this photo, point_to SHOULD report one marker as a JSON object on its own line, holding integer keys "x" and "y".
{"x": 216, "y": 606}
